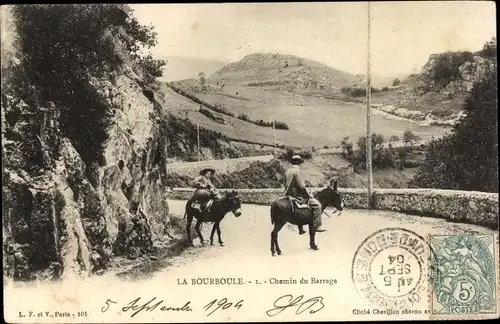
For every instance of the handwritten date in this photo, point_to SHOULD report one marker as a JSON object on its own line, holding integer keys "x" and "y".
{"x": 222, "y": 304}
{"x": 314, "y": 305}
{"x": 136, "y": 306}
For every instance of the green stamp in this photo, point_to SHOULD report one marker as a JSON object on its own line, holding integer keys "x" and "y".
{"x": 464, "y": 274}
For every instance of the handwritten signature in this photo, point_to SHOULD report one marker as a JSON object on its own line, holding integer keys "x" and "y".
{"x": 314, "y": 305}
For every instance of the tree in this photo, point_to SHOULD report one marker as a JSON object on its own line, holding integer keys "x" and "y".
{"x": 489, "y": 49}
{"x": 394, "y": 138}
{"x": 202, "y": 80}
{"x": 92, "y": 41}
{"x": 410, "y": 137}
{"x": 347, "y": 148}
{"x": 467, "y": 159}
{"x": 396, "y": 82}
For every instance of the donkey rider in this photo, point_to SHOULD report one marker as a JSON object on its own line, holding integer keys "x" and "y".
{"x": 295, "y": 187}
{"x": 205, "y": 190}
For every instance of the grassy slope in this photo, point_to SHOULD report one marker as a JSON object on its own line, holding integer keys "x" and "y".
{"x": 323, "y": 118}
{"x": 437, "y": 103}
{"x": 234, "y": 128}
{"x": 316, "y": 172}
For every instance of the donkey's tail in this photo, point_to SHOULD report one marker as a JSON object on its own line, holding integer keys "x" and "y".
{"x": 274, "y": 210}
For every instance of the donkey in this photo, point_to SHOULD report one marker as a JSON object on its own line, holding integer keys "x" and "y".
{"x": 283, "y": 210}
{"x": 220, "y": 207}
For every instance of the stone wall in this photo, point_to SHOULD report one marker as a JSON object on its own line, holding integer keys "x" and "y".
{"x": 460, "y": 206}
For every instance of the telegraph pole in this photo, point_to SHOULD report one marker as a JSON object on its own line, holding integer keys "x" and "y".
{"x": 368, "y": 116}
{"x": 274, "y": 136}
{"x": 198, "y": 138}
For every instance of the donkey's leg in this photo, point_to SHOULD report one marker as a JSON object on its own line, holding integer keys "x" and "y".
{"x": 312, "y": 237}
{"x": 212, "y": 234}
{"x": 277, "y": 229}
{"x": 188, "y": 227}
{"x": 197, "y": 228}
{"x": 273, "y": 240}
{"x": 218, "y": 234}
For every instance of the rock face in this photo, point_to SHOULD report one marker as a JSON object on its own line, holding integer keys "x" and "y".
{"x": 63, "y": 216}
{"x": 452, "y": 73}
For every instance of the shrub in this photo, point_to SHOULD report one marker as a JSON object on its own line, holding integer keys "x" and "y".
{"x": 287, "y": 155}
{"x": 277, "y": 124}
{"x": 444, "y": 70}
{"x": 63, "y": 66}
{"x": 467, "y": 159}
{"x": 207, "y": 113}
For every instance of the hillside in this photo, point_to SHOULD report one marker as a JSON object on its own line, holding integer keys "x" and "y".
{"x": 285, "y": 72}
{"x": 84, "y": 143}
{"x": 439, "y": 90}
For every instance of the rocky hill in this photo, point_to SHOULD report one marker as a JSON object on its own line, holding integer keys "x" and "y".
{"x": 438, "y": 92}
{"x": 286, "y": 72}
{"x": 85, "y": 142}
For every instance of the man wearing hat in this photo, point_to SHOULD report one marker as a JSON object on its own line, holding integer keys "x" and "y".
{"x": 204, "y": 188}
{"x": 295, "y": 187}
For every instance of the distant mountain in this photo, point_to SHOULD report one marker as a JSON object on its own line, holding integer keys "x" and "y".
{"x": 179, "y": 68}
{"x": 282, "y": 71}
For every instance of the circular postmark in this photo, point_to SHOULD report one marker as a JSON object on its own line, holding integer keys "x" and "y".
{"x": 389, "y": 268}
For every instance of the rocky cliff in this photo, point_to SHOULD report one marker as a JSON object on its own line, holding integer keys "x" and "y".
{"x": 69, "y": 207}
{"x": 455, "y": 73}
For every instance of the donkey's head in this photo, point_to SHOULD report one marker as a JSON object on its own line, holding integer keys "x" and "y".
{"x": 335, "y": 196}
{"x": 233, "y": 202}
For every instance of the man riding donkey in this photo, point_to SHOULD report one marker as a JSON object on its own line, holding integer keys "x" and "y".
{"x": 295, "y": 187}
{"x": 205, "y": 190}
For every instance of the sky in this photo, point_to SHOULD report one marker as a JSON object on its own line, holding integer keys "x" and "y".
{"x": 403, "y": 34}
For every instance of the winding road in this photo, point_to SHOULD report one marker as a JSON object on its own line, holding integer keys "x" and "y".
{"x": 245, "y": 260}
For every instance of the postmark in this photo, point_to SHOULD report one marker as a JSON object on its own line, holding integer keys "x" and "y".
{"x": 389, "y": 268}
{"x": 465, "y": 275}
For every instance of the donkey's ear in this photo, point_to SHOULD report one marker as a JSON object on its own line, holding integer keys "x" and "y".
{"x": 335, "y": 185}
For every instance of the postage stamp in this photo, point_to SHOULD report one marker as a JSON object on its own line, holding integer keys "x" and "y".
{"x": 465, "y": 275}
{"x": 249, "y": 162}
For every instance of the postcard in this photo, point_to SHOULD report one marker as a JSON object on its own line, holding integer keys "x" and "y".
{"x": 249, "y": 162}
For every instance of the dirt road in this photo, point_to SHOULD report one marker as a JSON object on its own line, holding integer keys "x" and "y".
{"x": 243, "y": 271}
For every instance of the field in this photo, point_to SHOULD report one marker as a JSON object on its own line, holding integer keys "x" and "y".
{"x": 234, "y": 128}
{"x": 328, "y": 119}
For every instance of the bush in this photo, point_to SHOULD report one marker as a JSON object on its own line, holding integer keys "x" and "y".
{"x": 445, "y": 69}
{"x": 467, "y": 159}
{"x": 257, "y": 175}
{"x": 207, "y": 113}
{"x": 63, "y": 66}
{"x": 287, "y": 155}
{"x": 356, "y": 91}
{"x": 277, "y": 124}
{"x": 174, "y": 180}
{"x": 410, "y": 137}
{"x": 396, "y": 82}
